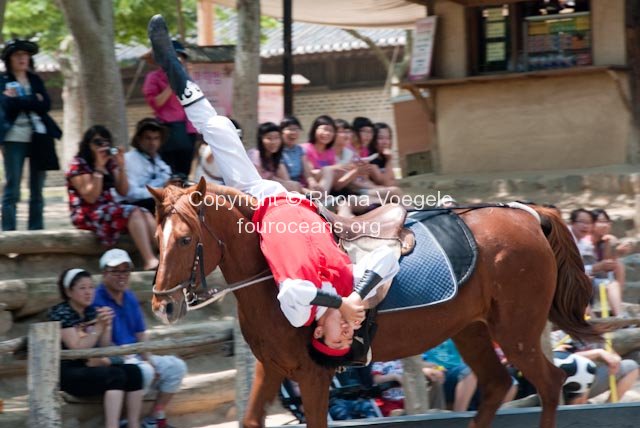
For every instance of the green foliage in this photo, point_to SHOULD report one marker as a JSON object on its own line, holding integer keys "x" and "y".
{"x": 38, "y": 19}
{"x": 43, "y": 21}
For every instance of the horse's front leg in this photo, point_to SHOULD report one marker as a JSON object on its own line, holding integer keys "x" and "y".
{"x": 266, "y": 384}
{"x": 314, "y": 389}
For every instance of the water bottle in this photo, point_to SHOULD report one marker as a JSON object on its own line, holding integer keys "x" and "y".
{"x": 17, "y": 86}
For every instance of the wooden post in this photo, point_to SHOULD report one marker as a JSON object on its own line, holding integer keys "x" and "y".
{"x": 206, "y": 20}
{"x": 414, "y": 384}
{"x": 44, "y": 375}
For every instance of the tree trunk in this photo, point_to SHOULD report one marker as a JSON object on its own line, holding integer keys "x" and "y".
{"x": 247, "y": 69}
{"x": 75, "y": 121}
{"x": 91, "y": 24}
{"x": 632, "y": 29}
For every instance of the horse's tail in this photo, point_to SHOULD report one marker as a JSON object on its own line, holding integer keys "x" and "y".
{"x": 573, "y": 288}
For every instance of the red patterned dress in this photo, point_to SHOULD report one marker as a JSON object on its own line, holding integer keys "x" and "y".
{"x": 107, "y": 218}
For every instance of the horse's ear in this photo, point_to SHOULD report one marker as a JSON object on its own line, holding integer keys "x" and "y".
{"x": 157, "y": 194}
{"x": 202, "y": 186}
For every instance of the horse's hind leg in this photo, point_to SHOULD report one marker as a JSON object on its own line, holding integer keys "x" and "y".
{"x": 523, "y": 350}
{"x": 266, "y": 383}
{"x": 476, "y": 348}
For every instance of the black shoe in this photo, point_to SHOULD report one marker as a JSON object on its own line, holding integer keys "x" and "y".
{"x": 165, "y": 56}
{"x": 362, "y": 338}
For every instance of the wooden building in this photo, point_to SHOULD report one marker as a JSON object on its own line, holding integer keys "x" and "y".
{"x": 525, "y": 85}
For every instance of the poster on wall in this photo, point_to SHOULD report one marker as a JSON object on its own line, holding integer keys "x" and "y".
{"x": 423, "y": 41}
{"x": 216, "y": 81}
{"x": 270, "y": 103}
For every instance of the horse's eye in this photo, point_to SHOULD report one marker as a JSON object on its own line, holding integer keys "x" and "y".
{"x": 185, "y": 240}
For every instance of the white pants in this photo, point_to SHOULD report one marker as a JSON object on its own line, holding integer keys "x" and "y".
{"x": 236, "y": 168}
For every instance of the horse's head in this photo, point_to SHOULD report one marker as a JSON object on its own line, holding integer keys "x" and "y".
{"x": 191, "y": 242}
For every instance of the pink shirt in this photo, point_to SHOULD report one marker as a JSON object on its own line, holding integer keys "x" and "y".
{"x": 171, "y": 111}
{"x": 317, "y": 159}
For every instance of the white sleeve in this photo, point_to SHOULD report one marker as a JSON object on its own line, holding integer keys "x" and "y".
{"x": 295, "y": 298}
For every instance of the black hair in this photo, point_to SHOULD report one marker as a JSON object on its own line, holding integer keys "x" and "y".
{"x": 62, "y": 289}
{"x": 322, "y": 120}
{"x": 327, "y": 361}
{"x": 361, "y": 122}
{"x": 84, "y": 150}
{"x": 269, "y": 163}
{"x": 596, "y": 213}
{"x": 575, "y": 213}
{"x": 148, "y": 124}
{"x": 288, "y": 121}
{"x": 341, "y": 123}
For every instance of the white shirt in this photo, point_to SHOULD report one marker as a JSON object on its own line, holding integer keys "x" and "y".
{"x": 141, "y": 171}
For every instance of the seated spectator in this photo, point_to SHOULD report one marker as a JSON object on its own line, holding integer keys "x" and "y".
{"x": 608, "y": 363}
{"x": 381, "y": 144}
{"x": 321, "y": 158}
{"x": 144, "y": 164}
{"x": 206, "y": 166}
{"x": 459, "y": 381}
{"x": 363, "y": 132}
{"x": 92, "y": 175}
{"x": 293, "y": 155}
{"x": 582, "y": 226}
{"x": 607, "y": 248}
{"x": 267, "y": 157}
{"x": 344, "y": 143}
{"x": 392, "y": 398}
{"x": 353, "y": 407}
{"x": 164, "y": 373}
{"x": 86, "y": 326}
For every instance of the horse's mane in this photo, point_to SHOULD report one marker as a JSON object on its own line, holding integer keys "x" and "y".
{"x": 175, "y": 200}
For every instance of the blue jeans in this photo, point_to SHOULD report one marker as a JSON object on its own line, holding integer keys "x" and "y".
{"x": 14, "y": 155}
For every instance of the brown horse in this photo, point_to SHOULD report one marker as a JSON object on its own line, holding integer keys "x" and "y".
{"x": 522, "y": 278}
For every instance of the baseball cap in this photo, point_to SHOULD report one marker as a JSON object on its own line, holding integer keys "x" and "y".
{"x": 115, "y": 257}
{"x": 179, "y": 48}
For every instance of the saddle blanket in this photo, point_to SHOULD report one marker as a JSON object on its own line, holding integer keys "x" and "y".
{"x": 443, "y": 259}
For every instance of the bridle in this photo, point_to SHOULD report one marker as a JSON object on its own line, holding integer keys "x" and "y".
{"x": 196, "y": 300}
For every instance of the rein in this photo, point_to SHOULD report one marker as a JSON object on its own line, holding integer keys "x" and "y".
{"x": 195, "y": 300}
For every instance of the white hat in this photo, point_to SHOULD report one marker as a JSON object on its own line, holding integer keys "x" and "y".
{"x": 115, "y": 257}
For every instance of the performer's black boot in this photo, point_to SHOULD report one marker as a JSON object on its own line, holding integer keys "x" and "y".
{"x": 165, "y": 56}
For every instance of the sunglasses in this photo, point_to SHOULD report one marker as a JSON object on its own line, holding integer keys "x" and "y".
{"x": 101, "y": 142}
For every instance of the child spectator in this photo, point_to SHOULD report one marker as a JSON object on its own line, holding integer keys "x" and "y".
{"x": 392, "y": 398}
{"x": 356, "y": 407}
{"x": 321, "y": 157}
{"x": 460, "y": 382}
{"x": 381, "y": 144}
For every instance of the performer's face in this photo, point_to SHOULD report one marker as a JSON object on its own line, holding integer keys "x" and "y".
{"x": 337, "y": 333}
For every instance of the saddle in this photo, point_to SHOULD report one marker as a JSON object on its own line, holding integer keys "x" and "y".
{"x": 384, "y": 224}
{"x": 362, "y": 234}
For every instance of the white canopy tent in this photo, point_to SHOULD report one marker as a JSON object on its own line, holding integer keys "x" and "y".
{"x": 346, "y": 13}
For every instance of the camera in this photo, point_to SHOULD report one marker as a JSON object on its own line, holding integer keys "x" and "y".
{"x": 113, "y": 151}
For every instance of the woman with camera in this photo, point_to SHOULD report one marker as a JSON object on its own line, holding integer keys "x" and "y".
{"x": 94, "y": 172}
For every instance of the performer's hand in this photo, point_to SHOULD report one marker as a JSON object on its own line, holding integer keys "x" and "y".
{"x": 352, "y": 310}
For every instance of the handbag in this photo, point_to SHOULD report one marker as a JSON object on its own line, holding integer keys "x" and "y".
{"x": 43, "y": 156}
{"x": 43, "y": 153}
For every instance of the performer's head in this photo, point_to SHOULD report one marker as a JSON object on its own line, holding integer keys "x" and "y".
{"x": 331, "y": 341}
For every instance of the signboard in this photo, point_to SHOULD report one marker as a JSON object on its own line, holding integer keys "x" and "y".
{"x": 216, "y": 81}
{"x": 422, "y": 54}
{"x": 270, "y": 103}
